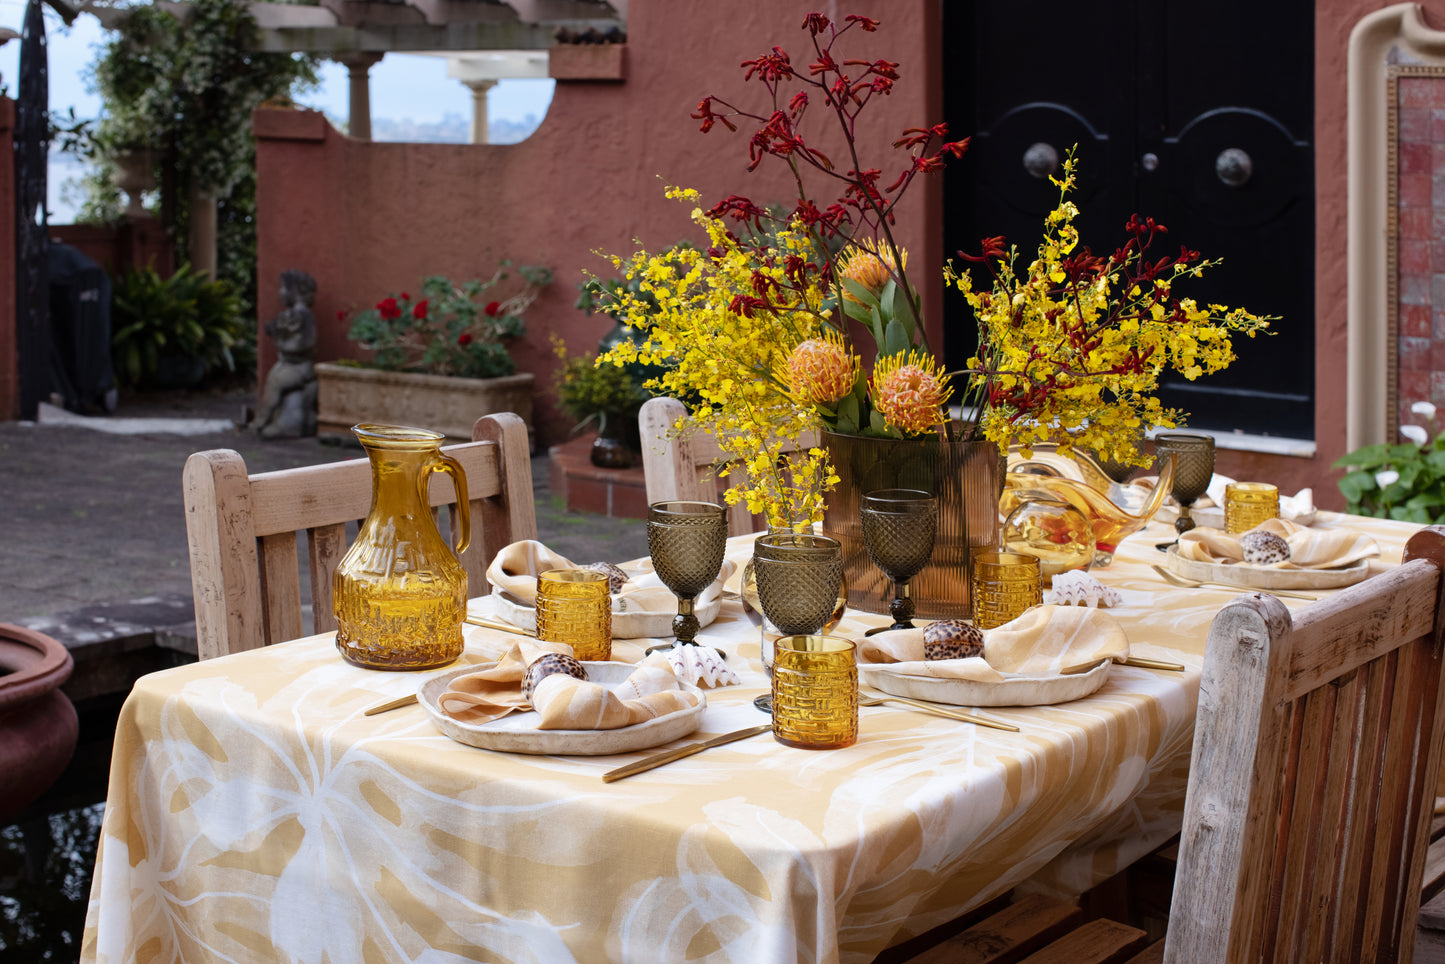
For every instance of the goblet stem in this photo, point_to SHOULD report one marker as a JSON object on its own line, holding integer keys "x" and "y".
{"x": 1184, "y": 522}
{"x": 684, "y": 628}
{"x": 901, "y": 609}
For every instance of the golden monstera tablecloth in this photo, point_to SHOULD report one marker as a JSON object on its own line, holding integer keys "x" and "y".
{"x": 254, "y": 814}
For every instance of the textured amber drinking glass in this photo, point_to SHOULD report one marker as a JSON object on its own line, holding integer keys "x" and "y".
{"x": 799, "y": 578}
{"x": 1193, "y": 470}
{"x": 400, "y": 592}
{"x": 898, "y": 530}
{"x": 1004, "y": 585}
{"x": 686, "y": 541}
{"x": 1247, "y": 504}
{"x": 815, "y": 692}
{"x": 574, "y": 607}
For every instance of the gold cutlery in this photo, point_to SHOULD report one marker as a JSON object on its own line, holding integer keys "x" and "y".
{"x": 865, "y": 699}
{"x": 395, "y": 704}
{"x": 499, "y": 625}
{"x": 1145, "y": 663}
{"x": 668, "y": 756}
{"x": 1184, "y": 583}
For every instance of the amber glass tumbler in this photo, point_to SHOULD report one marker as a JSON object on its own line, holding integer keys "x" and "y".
{"x": 574, "y": 607}
{"x": 1004, "y": 585}
{"x": 815, "y": 692}
{"x": 1247, "y": 504}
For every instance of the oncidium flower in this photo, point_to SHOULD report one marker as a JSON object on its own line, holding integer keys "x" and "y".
{"x": 821, "y": 370}
{"x": 909, "y": 390}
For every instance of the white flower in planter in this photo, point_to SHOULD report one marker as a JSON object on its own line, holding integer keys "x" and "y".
{"x": 1415, "y": 434}
{"x": 1425, "y": 409}
{"x": 1386, "y": 478}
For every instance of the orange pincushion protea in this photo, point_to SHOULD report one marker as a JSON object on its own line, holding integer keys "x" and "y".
{"x": 821, "y": 370}
{"x": 870, "y": 270}
{"x": 910, "y": 391}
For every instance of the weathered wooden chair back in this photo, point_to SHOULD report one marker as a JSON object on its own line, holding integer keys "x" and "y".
{"x": 1312, "y": 781}
{"x": 684, "y": 466}
{"x": 242, "y": 531}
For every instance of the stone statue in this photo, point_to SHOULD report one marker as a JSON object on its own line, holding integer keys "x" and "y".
{"x": 288, "y": 403}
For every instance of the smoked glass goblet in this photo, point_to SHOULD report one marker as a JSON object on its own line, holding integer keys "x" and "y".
{"x": 898, "y": 531}
{"x": 686, "y": 541}
{"x": 799, "y": 576}
{"x": 1193, "y": 469}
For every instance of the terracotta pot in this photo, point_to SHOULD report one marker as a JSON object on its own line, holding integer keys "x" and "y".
{"x": 38, "y": 725}
{"x": 964, "y": 475}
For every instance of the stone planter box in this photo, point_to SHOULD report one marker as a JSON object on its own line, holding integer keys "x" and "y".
{"x": 442, "y": 403}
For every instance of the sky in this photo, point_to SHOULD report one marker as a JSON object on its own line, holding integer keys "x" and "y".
{"x": 402, "y": 86}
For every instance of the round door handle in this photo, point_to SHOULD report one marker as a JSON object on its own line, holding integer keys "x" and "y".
{"x": 1149, "y": 162}
{"x": 1233, "y": 167}
{"x": 1041, "y": 160}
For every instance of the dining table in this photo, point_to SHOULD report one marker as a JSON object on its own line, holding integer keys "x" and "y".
{"x": 255, "y": 813}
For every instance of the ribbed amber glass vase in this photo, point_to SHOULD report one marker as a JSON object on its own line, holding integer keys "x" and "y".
{"x": 966, "y": 479}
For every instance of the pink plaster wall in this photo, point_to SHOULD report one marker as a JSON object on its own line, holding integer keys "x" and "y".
{"x": 366, "y": 219}
{"x": 369, "y": 218}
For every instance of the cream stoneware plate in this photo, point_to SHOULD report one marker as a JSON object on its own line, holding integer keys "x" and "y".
{"x": 517, "y": 732}
{"x": 1014, "y": 691}
{"x": 626, "y": 623}
{"x": 1265, "y": 577}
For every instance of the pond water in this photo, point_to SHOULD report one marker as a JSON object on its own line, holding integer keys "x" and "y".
{"x": 47, "y": 855}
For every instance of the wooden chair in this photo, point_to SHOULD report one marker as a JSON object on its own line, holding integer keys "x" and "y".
{"x": 1311, "y": 785}
{"x": 685, "y": 466}
{"x": 242, "y": 530}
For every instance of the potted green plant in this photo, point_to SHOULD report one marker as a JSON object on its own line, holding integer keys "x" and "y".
{"x": 173, "y": 332}
{"x": 606, "y": 396}
{"x": 438, "y": 359}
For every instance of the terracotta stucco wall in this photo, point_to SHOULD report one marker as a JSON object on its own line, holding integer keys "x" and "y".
{"x": 370, "y": 218}
{"x": 366, "y": 219}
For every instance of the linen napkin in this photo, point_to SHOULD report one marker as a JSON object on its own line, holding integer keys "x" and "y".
{"x": 1042, "y": 641}
{"x": 515, "y": 569}
{"x": 562, "y": 702}
{"x": 1308, "y": 548}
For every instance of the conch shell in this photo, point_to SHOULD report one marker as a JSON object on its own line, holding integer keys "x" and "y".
{"x": 1077, "y": 588}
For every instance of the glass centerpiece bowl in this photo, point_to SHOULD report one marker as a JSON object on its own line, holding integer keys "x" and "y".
{"x": 1111, "y": 522}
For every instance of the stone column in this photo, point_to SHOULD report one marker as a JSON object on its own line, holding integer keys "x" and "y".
{"x": 203, "y": 232}
{"x": 479, "y": 90}
{"x": 359, "y": 65}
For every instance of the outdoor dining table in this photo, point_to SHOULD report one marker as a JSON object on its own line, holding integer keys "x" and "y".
{"x": 255, "y": 814}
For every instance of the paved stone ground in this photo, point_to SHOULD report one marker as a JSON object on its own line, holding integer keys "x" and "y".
{"x": 90, "y": 517}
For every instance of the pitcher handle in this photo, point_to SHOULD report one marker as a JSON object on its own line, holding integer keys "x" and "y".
{"x": 445, "y": 463}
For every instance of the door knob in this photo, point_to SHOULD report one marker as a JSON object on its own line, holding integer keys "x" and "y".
{"x": 1041, "y": 160}
{"x": 1233, "y": 166}
{"x": 1149, "y": 162}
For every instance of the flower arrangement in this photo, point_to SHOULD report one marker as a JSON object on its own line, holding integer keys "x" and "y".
{"x": 450, "y": 329}
{"x": 1404, "y": 481}
{"x": 1072, "y": 350}
{"x": 762, "y": 324}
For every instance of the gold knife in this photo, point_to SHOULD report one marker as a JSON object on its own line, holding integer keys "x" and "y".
{"x": 668, "y": 756}
{"x": 934, "y": 708}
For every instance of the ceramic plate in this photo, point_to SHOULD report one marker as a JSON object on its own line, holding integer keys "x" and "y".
{"x": 1014, "y": 691}
{"x": 517, "y": 732}
{"x": 1265, "y": 577}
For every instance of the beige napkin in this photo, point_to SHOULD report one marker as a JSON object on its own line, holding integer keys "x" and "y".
{"x": 515, "y": 569}
{"x": 1044, "y": 640}
{"x": 1308, "y": 548}
{"x": 562, "y": 702}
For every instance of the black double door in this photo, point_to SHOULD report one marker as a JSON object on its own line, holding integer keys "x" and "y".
{"x": 1199, "y": 115}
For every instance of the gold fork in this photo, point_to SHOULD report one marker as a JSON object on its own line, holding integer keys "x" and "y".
{"x": 1184, "y": 583}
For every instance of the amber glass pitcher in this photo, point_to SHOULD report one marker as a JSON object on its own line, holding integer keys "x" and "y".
{"x": 400, "y": 592}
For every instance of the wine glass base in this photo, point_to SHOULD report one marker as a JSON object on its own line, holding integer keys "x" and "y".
{"x": 668, "y": 647}
{"x": 888, "y": 629}
{"x": 764, "y": 703}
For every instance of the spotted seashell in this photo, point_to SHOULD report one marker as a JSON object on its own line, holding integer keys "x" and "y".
{"x": 1077, "y": 588}
{"x": 952, "y": 639}
{"x": 1263, "y": 548}
{"x": 551, "y": 665}
{"x": 615, "y": 576}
